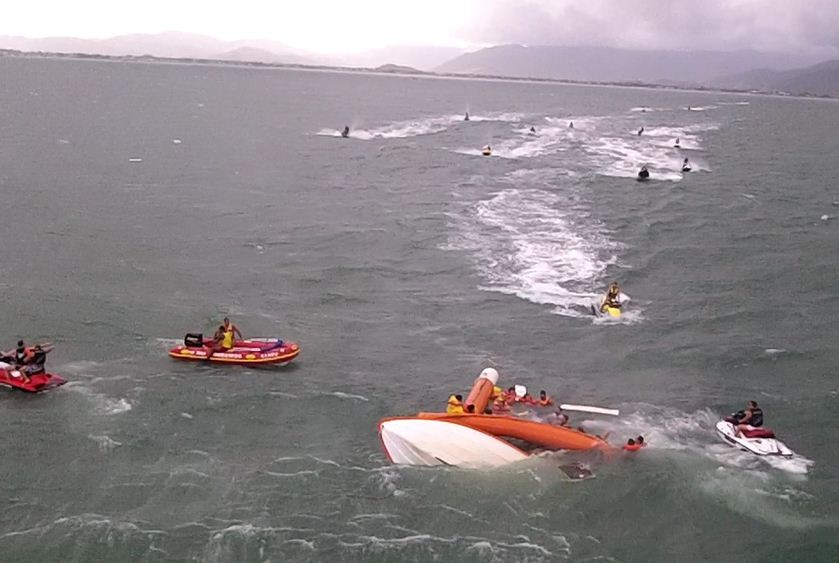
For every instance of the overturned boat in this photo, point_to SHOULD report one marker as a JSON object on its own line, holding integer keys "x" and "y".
{"x": 416, "y": 441}
{"x": 476, "y": 437}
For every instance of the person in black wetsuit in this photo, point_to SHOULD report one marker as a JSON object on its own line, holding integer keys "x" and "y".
{"x": 346, "y": 132}
{"x": 644, "y": 174}
{"x": 752, "y": 417}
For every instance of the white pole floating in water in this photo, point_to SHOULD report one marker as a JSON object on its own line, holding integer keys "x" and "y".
{"x": 586, "y": 408}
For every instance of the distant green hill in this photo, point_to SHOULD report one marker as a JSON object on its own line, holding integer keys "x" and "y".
{"x": 821, "y": 79}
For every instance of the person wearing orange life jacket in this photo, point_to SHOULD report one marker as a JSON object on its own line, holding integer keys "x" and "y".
{"x": 500, "y": 404}
{"x": 633, "y": 445}
{"x": 455, "y": 405}
{"x": 544, "y": 400}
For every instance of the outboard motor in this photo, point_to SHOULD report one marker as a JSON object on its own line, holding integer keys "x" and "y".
{"x": 194, "y": 340}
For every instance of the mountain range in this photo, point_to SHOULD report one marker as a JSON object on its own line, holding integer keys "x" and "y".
{"x": 822, "y": 79}
{"x": 745, "y": 69}
{"x": 607, "y": 64}
{"x": 169, "y": 44}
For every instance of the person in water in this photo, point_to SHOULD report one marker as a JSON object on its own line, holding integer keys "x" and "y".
{"x": 612, "y": 299}
{"x": 455, "y": 404}
{"x": 640, "y": 131}
{"x": 643, "y": 174}
{"x": 346, "y": 132}
{"x": 544, "y": 400}
{"x": 686, "y": 166}
{"x": 631, "y": 446}
{"x": 501, "y": 403}
{"x": 676, "y": 144}
{"x": 559, "y": 418}
{"x": 571, "y": 125}
{"x": 751, "y": 418}
{"x": 532, "y": 130}
{"x": 230, "y": 333}
{"x": 466, "y": 117}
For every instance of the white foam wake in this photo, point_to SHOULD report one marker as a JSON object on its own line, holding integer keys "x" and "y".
{"x": 537, "y": 245}
{"x": 417, "y": 127}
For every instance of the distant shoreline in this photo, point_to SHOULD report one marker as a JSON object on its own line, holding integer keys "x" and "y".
{"x": 398, "y": 70}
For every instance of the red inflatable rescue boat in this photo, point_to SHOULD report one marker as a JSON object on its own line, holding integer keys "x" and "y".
{"x": 12, "y": 378}
{"x": 250, "y": 351}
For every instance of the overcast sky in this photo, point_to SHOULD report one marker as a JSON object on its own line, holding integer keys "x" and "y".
{"x": 335, "y": 26}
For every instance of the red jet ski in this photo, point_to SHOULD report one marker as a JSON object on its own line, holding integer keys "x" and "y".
{"x": 12, "y": 378}
{"x": 249, "y": 351}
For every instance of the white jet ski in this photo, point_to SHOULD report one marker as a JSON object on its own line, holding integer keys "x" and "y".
{"x": 759, "y": 441}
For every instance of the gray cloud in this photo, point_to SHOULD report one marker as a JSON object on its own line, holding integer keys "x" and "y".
{"x": 781, "y": 25}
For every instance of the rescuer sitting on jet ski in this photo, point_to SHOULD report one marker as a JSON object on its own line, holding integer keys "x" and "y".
{"x": 612, "y": 299}
{"x": 16, "y": 356}
{"x": 748, "y": 419}
{"x": 35, "y": 360}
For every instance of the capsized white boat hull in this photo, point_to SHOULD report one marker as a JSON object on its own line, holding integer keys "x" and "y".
{"x": 757, "y": 446}
{"x": 415, "y": 441}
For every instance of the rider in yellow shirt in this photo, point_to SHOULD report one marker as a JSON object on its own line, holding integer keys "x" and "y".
{"x": 230, "y": 333}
